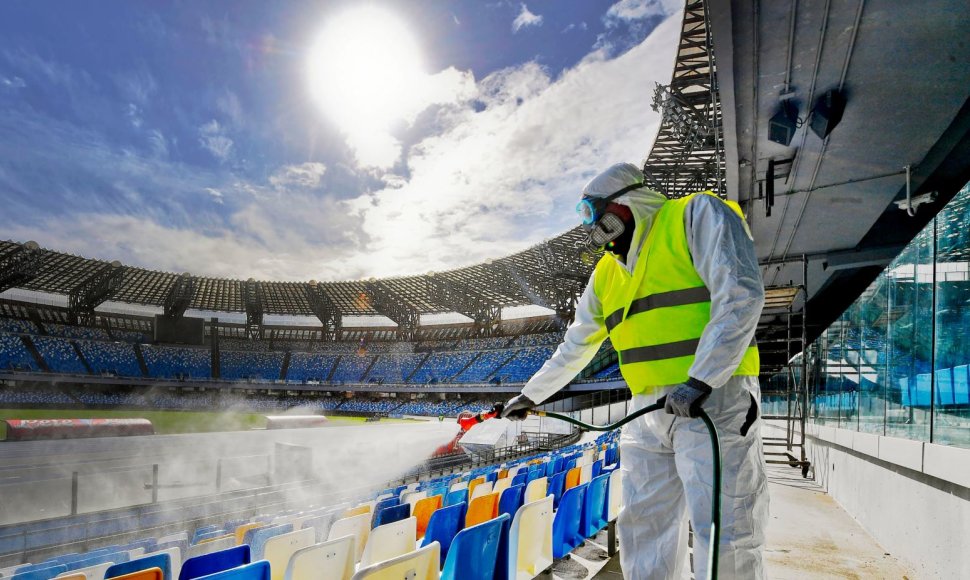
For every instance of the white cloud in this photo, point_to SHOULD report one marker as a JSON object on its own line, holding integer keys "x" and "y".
{"x": 13, "y": 82}
{"x": 229, "y": 105}
{"x": 212, "y": 137}
{"x": 525, "y": 19}
{"x": 630, "y": 10}
{"x": 216, "y": 195}
{"x": 304, "y": 176}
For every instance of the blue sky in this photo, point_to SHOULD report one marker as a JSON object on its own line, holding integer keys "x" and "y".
{"x": 198, "y": 136}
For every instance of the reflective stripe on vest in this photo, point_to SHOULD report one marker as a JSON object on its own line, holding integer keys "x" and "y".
{"x": 656, "y": 316}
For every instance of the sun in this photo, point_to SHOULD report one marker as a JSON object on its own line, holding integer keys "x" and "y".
{"x": 366, "y": 70}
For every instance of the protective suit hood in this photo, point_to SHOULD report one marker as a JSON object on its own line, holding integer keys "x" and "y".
{"x": 643, "y": 202}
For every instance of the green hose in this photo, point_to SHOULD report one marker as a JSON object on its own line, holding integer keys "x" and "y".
{"x": 712, "y": 555}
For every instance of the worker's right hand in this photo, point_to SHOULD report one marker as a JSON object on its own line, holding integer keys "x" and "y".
{"x": 517, "y": 408}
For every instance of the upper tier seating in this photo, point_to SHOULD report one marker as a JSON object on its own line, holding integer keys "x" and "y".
{"x": 525, "y": 364}
{"x": 66, "y": 331}
{"x": 309, "y": 366}
{"x": 173, "y": 362}
{"x": 393, "y": 368}
{"x": 59, "y": 354}
{"x": 484, "y": 366}
{"x": 236, "y": 365}
{"x": 16, "y": 325}
{"x": 351, "y": 368}
{"x": 110, "y": 357}
{"x": 14, "y": 355}
{"x": 441, "y": 367}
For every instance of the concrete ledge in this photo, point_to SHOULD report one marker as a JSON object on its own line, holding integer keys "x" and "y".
{"x": 944, "y": 462}
{"x": 902, "y": 452}
{"x": 949, "y": 463}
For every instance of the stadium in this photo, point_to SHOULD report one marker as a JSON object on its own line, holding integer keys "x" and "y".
{"x": 172, "y": 425}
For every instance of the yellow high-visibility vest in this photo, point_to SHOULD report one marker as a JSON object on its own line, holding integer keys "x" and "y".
{"x": 655, "y": 317}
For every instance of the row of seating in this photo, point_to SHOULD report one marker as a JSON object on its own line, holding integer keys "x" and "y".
{"x": 491, "y": 522}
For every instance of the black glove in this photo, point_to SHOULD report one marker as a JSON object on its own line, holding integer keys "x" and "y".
{"x": 517, "y": 408}
{"x": 686, "y": 399}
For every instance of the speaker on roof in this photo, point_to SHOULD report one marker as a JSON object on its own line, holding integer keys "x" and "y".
{"x": 827, "y": 112}
{"x": 781, "y": 127}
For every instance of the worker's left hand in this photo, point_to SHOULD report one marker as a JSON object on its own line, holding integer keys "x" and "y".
{"x": 517, "y": 408}
{"x": 685, "y": 400}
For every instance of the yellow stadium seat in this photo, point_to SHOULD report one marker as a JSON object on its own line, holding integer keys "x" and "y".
{"x": 480, "y": 490}
{"x": 423, "y": 510}
{"x": 356, "y": 511}
{"x": 530, "y": 540}
{"x": 357, "y": 526}
{"x": 279, "y": 549}
{"x": 572, "y": 478}
{"x": 481, "y": 509}
{"x": 147, "y": 574}
{"x": 241, "y": 531}
{"x": 502, "y": 485}
{"x": 503, "y": 473}
{"x": 390, "y": 541}
{"x": 474, "y": 483}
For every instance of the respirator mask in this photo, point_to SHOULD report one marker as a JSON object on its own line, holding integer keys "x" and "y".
{"x": 602, "y": 226}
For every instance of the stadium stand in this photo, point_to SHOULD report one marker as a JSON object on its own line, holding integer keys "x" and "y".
{"x": 59, "y": 354}
{"x": 525, "y": 364}
{"x": 394, "y": 368}
{"x": 258, "y": 365}
{"x": 65, "y": 331}
{"x": 456, "y": 541}
{"x": 442, "y": 366}
{"x": 309, "y": 366}
{"x": 174, "y": 362}
{"x": 351, "y": 368}
{"x": 116, "y": 358}
{"x": 14, "y": 355}
{"x": 16, "y": 325}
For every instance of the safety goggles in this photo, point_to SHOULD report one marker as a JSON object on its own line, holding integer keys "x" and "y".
{"x": 591, "y": 209}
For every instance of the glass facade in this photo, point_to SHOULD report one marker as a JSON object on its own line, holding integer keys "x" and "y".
{"x": 896, "y": 362}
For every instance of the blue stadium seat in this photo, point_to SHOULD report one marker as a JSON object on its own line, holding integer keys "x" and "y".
{"x": 39, "y": 572}
{"x": 381, "y": 505}
{"x": 160, "y": 561}
{"x": 444, "y": 524}
{"x": 255, "y": 571}
{"x": 215, "y": 562}
{"x": 944, "y": 387}
{"x": 393, "y": 514}
{"x": 566, "y": 533}
{"x": 474, "y": 553}
{"x": 520, "y": 479}
{"x": 597, "y": 468}
{"x": 102, "y": 557}
{"x": 961, "y": 385}
{"x": 456, "y": 497}
{"x": 511, "y": 500}
{"x": 594, "y": 506}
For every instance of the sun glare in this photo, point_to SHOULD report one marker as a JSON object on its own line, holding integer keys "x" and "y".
{"x": 366, "y": 70}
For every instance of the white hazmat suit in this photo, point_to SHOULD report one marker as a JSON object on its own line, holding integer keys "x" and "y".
{"x": 666, "y": 461}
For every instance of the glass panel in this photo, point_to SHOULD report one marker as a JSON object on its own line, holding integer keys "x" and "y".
{"x": 873, "y": 315}
{"x": 951, "y": 422}
{"x": 908, "y": 391}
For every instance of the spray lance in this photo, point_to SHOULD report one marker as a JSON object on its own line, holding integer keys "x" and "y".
{"x": 713, "y": 551}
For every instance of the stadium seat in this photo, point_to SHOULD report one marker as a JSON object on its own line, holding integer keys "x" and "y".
{"x": 597, "y": 468}
{"x": 443, "y": 526}
{"x": 421, "y": 564}
{"x": 511, "y": 500}
{"x": 392, "y": 514}
{"x": 321, "y": 524}
{"x": 211, "y": 546}
{"x": 215, "y": 562}
{"x": 594, "y": 506}
{"x": 565, "y": 525}
{"x": 382, "y": 504}
{"x": 482, "y": 509}
{"x": 163, "y": 562}
{"x": 536, "y": 490}
{"x": 530, "y": 540}
{"x": 480, "y": 490}
{"x": 513, "y": 471}
{"x": 614, "y": 495}
{"x": 503, "y": 473}
{"x": 277, "y": 550}
{"x": 556, "y": 487}
{"x": 333, "y": 559}
{"x": 357, "y": 526}
{"x": 255, "y": 571}
{"x": 144, "y": 574}
{"x": 40, "y": 572}
{"x": 94, "y": 571}
{"x": 97, "y": 558}
{"x": 240, "y": 532}
{"x": 502, "y": 485}
{"x": 456, "y": 497}
{"x": 474, "y": 553}
{"x": 258, "y": 540}
{"x": 174, "y": 554}
{"x": 573, "y": 477}
{"x": 390, "y": 541}
{"x": 473, "y": 484}
{"x": 521, "y": 478}
{"x": 586, "y": 473}
{"x": 423, "y": 510}
{"x": 413, "y": 497}
{"x": 361, "y": 509}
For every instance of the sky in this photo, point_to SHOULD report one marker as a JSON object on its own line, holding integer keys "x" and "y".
{"x": 326, "y": 140}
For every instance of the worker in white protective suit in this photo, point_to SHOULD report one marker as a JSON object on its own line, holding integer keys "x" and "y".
{"x": 679, "y": 293}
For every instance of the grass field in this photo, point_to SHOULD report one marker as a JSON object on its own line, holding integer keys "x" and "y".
{"x": 165, "y": 422}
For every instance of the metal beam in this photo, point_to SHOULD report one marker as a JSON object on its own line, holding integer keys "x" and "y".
{"x": 324, "y": 307}
{"x": 252, "y": 295}
{"x": 94, "y": 290}
{"x": 180, "y": 296}
{"x": 385, "y": 301}
{"x": 486, "y": 314}
{"x": 19, "y": 265}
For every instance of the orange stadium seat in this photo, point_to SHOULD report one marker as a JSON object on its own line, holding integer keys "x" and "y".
{"x": 573, "y": 476}
{"x": 423, "y": 510}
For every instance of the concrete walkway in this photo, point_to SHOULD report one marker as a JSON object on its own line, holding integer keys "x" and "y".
{"x": 810, "y": 536}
